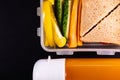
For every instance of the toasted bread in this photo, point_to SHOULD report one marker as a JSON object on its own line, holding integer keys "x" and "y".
{"x": 93, "y": 11}
{"x": 107, "y": 30}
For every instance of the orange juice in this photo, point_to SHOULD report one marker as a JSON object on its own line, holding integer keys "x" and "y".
{"x": 77, "y": 69}
{"x": 92, "y": 69}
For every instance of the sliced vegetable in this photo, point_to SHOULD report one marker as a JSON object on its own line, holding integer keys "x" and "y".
{"x": 79, "y": 42}
{"x": 66, "y": 17}
{"x": 58, "y": 38}
{"x": 47, "y": 24}
{"x": 73, "y": 25}
{"x": 45, "y": 41}
{"x": 58, "y": 12}
{"x": 52, "y": 1}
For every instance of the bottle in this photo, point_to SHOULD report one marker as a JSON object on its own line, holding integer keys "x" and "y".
{"x": 77, "y": 69}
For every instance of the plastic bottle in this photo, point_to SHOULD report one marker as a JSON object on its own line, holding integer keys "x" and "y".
{"x": 77, "y": 69}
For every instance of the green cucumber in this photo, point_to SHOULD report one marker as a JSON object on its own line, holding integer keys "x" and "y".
{"x": 58, "y": 12}
{"x": 66, "y": 17}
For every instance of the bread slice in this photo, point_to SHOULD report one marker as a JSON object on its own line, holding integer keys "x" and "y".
{"x": 93, "y": 11}
{"x": 106, "y": 31}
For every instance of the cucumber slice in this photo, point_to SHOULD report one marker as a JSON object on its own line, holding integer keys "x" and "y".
{"x": 66, "y": 17}
{"x": 58, "y": 12}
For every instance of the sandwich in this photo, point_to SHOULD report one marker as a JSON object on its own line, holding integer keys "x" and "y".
{"x": 100, "y": 21}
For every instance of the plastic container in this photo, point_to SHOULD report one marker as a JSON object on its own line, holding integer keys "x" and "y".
{"x": 101, "y": 49}
{"x": 77, "y": 69}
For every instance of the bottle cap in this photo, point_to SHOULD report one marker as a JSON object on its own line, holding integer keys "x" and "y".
{"x": 49, "y": 69}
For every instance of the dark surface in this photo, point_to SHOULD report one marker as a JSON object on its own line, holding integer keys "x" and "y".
{"x": 19, "y": 45}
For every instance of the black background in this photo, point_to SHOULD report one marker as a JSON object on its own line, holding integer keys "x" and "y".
{"x": 19, "y": 44}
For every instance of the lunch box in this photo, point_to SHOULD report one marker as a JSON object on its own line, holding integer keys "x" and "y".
{"x": 87, "y": 68}
{"x": 101, "y": 49}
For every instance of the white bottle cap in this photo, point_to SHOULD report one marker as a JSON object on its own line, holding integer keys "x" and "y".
{"x": 49, "y": 69}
